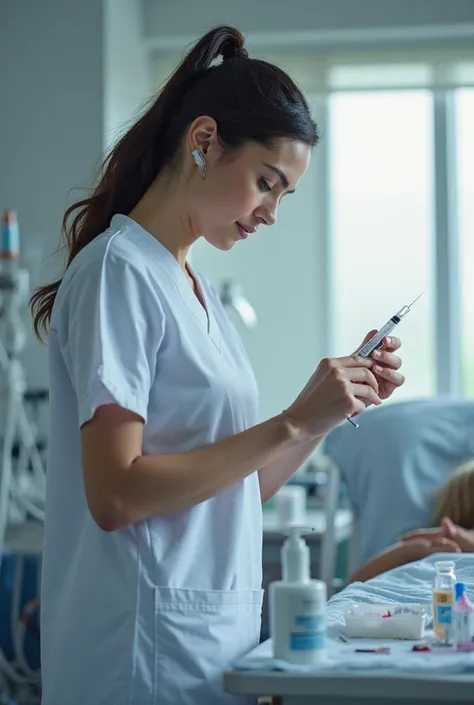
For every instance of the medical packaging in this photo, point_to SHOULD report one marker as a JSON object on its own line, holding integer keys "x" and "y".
{"x": 391, "y": 621}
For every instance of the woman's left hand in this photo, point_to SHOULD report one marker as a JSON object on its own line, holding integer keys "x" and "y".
{"x": 387, "y": 365}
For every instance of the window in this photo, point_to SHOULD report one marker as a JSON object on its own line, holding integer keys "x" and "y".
{"x": 381, "y": 205}
{"x": 464, "y": 105}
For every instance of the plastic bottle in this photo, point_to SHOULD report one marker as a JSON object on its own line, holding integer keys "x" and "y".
{"x": 297, "y": 605}
{"x": 443, "y": 597}
{"x": 10, "y": 240}
{"x": 463, "y": 620}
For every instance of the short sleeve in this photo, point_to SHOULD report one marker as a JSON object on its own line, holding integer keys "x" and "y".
{"x": 111, "y": 327}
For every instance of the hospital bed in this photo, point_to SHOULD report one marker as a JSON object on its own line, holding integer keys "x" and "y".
{"x": 392, "y": 466}
{"x": 401, "y": 678}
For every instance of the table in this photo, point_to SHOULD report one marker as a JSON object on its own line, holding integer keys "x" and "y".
{"x": 350, "y": 689}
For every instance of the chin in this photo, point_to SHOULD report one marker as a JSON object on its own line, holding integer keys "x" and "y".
{"x": 222, "y": 244}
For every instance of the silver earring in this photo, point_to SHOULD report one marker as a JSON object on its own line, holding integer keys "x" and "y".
{"x": 199, "y": 161}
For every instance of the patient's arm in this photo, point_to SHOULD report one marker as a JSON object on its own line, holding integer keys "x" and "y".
{"x": 463, "y": 537}
{"x": 402, "y": 553}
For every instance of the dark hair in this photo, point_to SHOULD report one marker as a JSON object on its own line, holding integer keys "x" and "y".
{"x": 251, "y": 100}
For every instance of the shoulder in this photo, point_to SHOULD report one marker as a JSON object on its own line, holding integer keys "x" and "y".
{"x": 117, "y": 263}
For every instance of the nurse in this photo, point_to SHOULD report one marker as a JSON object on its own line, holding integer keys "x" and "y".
{"x": 157, "y": 466}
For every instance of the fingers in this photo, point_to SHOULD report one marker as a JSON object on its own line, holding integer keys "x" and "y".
{"x": 366, "y": 394}
{"x": 386, "y": 366}
{"x": 391, "y": 343}
{"x": 423, "y": 534}
{"x": 392, "y": 376}
{"x": 387, "y": 359}
{"x": 443, "y": 545}
{"x": 355, "y": 361}
{"x": 449, "y": 528}
{"x": 363, "y": 376}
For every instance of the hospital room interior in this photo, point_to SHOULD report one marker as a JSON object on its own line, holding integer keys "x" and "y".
{"x": 380, "y": 231}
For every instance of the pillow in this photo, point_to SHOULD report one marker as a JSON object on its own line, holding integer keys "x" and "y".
{"x": 394, "y": 463}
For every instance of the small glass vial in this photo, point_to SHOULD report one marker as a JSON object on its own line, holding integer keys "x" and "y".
{"x": 443, "y": 597}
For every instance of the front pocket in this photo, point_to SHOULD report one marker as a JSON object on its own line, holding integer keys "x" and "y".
{"x": 199, "y": 634}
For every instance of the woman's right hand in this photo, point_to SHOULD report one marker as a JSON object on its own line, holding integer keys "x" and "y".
{"x": 339, "y": 389}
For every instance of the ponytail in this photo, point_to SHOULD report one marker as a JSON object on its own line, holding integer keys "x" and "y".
{"x": 248, "y": 98}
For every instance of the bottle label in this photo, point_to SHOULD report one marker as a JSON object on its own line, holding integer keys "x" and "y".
{"x": 444, "y": 614}
{"x": 463, "y": 628}
{"x": 309, "y": 633}
{"x": 442, "y": 606}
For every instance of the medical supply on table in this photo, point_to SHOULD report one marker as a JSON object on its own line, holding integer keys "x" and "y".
{"x": 391, "y": 621}
{"x": 378, "y": 650}
{"x": 421, "y": 647}
{"x": 297, "y": 605}
{"x": 290, "y": 504}
{"x": 376, "y": 341}
{"x": 463, "y": 620}
{"x": 443, "y": 597}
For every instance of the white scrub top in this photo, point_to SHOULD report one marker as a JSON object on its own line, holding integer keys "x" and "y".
{"x": 154, "y": 613}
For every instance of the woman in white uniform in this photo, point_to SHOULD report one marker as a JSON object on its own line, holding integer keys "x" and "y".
{"x": 157, "y": 466}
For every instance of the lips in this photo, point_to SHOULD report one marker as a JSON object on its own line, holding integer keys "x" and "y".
{"x": 244, "y": 230}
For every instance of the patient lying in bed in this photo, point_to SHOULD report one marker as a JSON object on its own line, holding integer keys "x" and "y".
{"x": 453, "y": 528}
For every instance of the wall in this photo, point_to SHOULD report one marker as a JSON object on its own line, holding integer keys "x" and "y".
{"x": 187, "y": 19}
{"x": 51, "y": 123}
{"x": 126, "y": 66}
{"x": 71, "y": 75}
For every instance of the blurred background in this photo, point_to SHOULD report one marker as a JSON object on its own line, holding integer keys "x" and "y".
{"x": 385, "y": 212}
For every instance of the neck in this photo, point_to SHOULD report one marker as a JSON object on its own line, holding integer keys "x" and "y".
{"x": 160, "y": 211}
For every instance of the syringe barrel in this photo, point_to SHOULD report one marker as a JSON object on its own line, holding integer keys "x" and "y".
{"x": 376, "y": 341}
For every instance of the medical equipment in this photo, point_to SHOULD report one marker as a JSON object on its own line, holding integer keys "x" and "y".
{"x": 443, "y": 597}
{"x": 376, "y": 341}
{"x": 463, "y": 620}
{"x": 385, "y": 621}
{"x": 297, "y": 605}
{"x": 21, "y": 483}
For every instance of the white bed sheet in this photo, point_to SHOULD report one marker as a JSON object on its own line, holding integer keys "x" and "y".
{"x": 407, "y": 584}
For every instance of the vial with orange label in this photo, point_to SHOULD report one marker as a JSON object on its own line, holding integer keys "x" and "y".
{"x": 443, "y": 597}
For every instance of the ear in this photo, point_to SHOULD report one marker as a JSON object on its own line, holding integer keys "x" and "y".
{"x": 202, "y": 135}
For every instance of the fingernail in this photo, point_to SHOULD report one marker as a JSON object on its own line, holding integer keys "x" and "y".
{"x": 376, "y": 353}
{"x": 377, "y": 368}
{"x": 388, "y": 341}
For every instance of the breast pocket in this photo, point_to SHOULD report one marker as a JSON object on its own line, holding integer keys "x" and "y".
{"x": 199, "y": 634}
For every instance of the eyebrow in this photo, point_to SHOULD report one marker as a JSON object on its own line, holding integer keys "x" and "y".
{"x": 281, "y": 175}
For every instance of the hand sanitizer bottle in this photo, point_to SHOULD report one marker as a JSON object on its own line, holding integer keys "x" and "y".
{"x": 297, "y": 605}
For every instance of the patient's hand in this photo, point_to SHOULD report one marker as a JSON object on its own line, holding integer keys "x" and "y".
{"x": 405, "y": 552}
{"x": 448, "y": 531}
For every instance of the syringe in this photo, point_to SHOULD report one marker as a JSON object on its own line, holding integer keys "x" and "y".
{"x": 377, "y": 340}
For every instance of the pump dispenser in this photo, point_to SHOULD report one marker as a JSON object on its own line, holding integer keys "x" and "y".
{"x": 297, "y": 604}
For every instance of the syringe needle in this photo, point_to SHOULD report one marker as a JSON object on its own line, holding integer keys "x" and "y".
{"x": 414, "y": 302}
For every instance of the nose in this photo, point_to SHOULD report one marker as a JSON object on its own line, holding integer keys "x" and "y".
{"x": 267, "y": 214}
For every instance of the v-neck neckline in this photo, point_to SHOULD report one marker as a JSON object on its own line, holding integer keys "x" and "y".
{"x": 202, "y": 311}
{"x": 197, "y": 292}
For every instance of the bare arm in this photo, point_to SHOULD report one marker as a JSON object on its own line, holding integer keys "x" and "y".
{"x": 400, "y": 554}
{"x": 274, "y": 474}
{"x": 123, "y": 486}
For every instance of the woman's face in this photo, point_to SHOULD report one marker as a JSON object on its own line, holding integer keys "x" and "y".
{"x": 240, "y": 193}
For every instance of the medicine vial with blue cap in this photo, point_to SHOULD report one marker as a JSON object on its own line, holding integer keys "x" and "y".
{"x": 297, "y": 605}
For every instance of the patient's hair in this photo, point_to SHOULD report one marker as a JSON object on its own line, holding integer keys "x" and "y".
{"x": 455, "y": 499}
